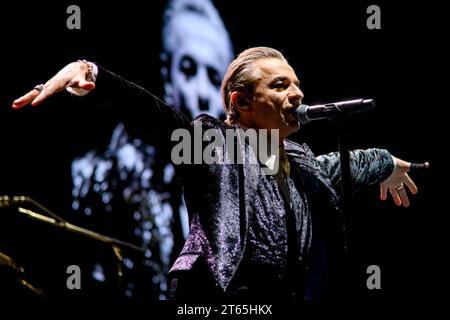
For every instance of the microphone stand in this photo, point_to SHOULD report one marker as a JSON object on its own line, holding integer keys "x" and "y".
{"x": 338, "y": 113}
{"x": 73, "y": 228}
{"x": 116, "y": 244}
{"x": 346, "y": 183}
{"x": 20, "y": 272}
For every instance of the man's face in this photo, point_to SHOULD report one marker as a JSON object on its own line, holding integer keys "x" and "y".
{"x": 276, "y": 95}
{"x": 198, "y": 65}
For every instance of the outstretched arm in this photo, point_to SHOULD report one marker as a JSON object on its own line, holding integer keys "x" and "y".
{"x": 373, "y": 166}
{"x": 145, "y": 116}
{"x": 367, "y": 167}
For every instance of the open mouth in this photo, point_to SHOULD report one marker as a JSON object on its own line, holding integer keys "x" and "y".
{"x": 291, "y": 116}
{"x": 291, "y": 111}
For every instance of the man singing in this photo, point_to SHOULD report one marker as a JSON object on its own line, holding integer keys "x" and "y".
{"x": 252, "y": 235}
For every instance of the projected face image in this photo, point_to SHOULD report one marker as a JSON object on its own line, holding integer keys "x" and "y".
{"x": 196, "y": 73}
{"x": 197, "y": 53}
{"x": 131, "y": 184}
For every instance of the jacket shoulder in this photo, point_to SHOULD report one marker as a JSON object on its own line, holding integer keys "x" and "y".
{"x": 297, "y": 149}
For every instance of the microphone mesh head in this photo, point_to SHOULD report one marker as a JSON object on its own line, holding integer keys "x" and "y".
{"x": 301, "y": 114}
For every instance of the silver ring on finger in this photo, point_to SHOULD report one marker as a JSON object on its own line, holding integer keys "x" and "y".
{"x": 39, "y": 87}
{"x": 400, "y": 187}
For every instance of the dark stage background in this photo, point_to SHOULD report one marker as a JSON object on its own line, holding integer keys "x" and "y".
{"x": 336, "y": 58}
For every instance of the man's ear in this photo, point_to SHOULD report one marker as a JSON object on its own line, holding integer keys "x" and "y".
{"x": 240, "y": 100}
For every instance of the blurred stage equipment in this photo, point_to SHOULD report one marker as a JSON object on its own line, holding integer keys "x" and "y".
{"x": 14, "y": 273}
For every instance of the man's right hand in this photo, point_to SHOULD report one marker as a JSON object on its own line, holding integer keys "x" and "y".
{"x": 73, "y": 75}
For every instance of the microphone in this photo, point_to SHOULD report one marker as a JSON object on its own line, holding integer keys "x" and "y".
{"x": 333, "y": 110}
{"x": 6, "y": 201}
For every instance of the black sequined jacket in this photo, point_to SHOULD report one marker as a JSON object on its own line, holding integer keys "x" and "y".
{"x": 218, "y": 196}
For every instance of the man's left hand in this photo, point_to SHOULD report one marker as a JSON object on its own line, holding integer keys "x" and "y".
{"x": 397, "y": 182}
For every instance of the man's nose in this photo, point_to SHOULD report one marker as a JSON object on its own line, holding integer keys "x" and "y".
{"x": 295, "y": 95}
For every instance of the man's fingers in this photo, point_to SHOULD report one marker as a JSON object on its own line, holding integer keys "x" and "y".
{"x": 395, "y": 196}
{"x": 383, "y": 192}
{"x": 41, "y": 97}
{"x": 404, "y": 197}
{"x": 50, "y": 88}
{"x": 87, "y": 85}
{"x": 411, "y": 185}
{"x": 25, "y": 99}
